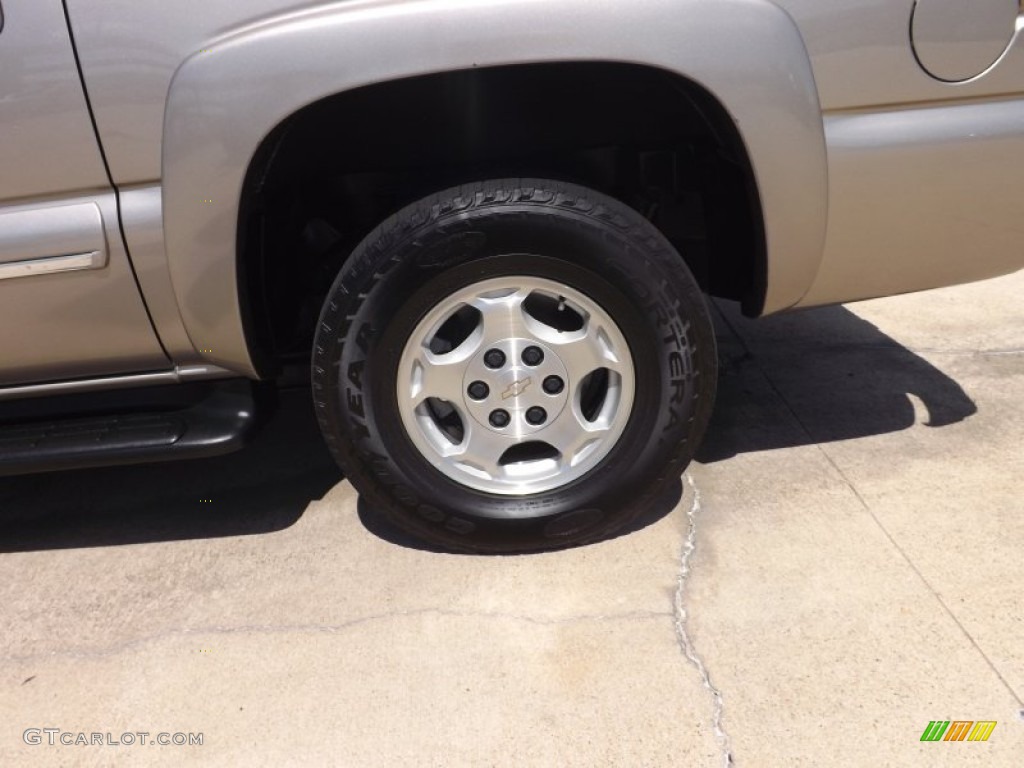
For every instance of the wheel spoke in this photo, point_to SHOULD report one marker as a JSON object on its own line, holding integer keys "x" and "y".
{"x": 573, "y": 436}
{"x": 502, "y": 315}
{"x": 587, "y": 350}
{"x": 438, "y": 376}
{"x": 482, "y": 449}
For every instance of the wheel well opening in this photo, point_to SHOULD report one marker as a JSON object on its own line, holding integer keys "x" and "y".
{"x": 333, "y": 171}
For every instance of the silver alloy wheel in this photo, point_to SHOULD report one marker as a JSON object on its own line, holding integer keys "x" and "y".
{"x": 515, "y": 385}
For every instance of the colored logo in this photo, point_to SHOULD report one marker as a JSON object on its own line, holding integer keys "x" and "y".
{"x": 958, "y": 730}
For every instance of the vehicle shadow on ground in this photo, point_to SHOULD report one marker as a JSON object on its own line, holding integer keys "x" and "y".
{"x": 803, "y": 378}
{"x": 263, "y": 488}
{"x": 817, "y": 376}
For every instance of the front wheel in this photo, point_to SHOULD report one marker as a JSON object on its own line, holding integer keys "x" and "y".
{"x": 513, "y": 365}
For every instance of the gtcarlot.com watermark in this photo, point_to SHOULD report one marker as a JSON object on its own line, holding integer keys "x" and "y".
{"x": 58, "y": 737}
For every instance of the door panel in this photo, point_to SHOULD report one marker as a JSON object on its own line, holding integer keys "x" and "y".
{"x": 47, "y": 144}
{"x": 69, "y": 305}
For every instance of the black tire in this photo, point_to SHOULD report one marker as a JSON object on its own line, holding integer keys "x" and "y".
{"x": 560, "y": 231}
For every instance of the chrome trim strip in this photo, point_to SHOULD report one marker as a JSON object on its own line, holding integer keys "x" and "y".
{"x": 179, "y": 375}
{"x": 50, "y": 264}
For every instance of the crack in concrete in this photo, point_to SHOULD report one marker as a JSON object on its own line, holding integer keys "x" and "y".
{"x": 682, "y": 634}
{"x": 116, "y": 648}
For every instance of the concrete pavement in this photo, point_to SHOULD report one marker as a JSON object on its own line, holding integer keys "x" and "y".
{"x": 843, "y": 565}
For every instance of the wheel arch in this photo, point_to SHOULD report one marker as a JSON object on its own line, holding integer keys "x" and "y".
{"x": 747, "y": 54}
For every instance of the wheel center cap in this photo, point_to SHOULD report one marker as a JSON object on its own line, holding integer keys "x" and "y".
{"x": 516, "y": 389}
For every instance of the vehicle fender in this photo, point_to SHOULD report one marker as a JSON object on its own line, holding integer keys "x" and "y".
{"x": 226, "y": 98}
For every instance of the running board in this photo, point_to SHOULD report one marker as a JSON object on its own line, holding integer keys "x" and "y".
{"x": 218, "y": 423}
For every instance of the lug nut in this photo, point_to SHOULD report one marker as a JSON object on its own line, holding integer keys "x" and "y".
{"x": 533, "y": 356}
{"x": 494, "y": 358}
{"x": 499, "y": 418}
{"x": 478, "y": 390}
{"x": 536, "y": 415}
{"x": 553, "y": 385}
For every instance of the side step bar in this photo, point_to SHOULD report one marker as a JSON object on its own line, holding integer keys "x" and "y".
{"x": 218, "y": 423}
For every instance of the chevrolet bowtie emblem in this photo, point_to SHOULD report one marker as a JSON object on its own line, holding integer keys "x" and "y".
{"x": 516, "y": 388}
